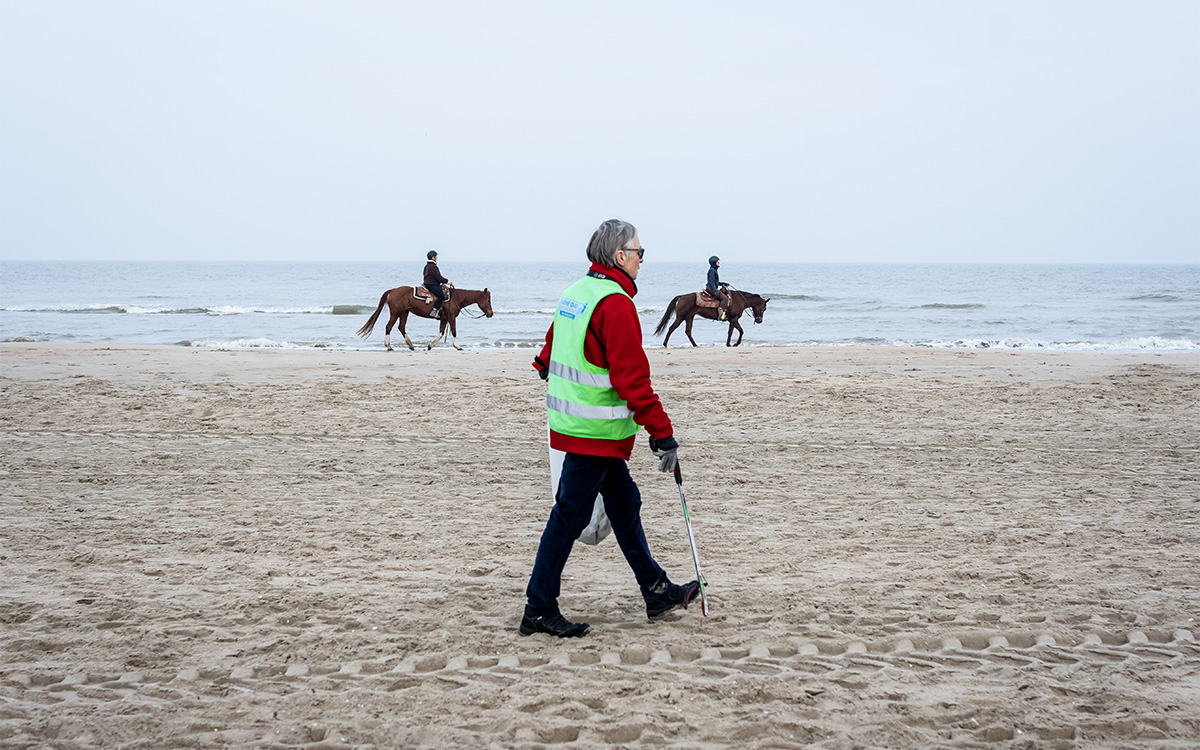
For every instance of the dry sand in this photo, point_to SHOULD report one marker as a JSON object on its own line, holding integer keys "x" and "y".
{"x": 905, "y": 548}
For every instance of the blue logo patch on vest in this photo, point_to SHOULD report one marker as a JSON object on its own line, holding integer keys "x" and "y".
{"x": 569, "y": 308}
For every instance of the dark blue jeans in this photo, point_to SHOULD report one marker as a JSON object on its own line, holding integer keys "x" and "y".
{"x": 438, "y": 295}
{"x": 583, "y": 477}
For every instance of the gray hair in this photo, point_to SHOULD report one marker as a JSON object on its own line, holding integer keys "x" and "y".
{"x": 611, "y": 236}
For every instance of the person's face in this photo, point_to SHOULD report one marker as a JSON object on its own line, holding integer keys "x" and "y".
{"x": 628, "y": 260}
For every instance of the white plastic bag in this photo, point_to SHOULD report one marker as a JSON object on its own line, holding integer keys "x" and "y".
{"x": 598, "y": 527}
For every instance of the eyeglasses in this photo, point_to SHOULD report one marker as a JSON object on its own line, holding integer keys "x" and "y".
{"x": 641, "y": 251}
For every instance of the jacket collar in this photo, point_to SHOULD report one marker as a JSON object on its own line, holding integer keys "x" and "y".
{"x": 615, "y": 274}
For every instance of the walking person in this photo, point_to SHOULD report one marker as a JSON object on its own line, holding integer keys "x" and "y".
{"x": 599, "y": 397}
{"x": 433, "y": 282}
{"x": 716, "y": 288}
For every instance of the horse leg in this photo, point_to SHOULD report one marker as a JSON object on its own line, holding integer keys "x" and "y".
{"x": 454, "y": 332}
{"x": 387, "y": 335}
{"x": 441, "y": 333}
{"x": 688, "y": 329}
{"x": 734, "y": 324}
{"x": 404, "y": 332}
{"x": 671, "y": 330}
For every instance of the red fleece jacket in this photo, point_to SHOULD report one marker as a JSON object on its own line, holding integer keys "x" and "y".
{"x": 614, "y": 342}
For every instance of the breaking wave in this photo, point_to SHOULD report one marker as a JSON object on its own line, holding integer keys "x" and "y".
{"x": 209, "y": 310}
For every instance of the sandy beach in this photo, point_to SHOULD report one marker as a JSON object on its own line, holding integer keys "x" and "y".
{"x": 328, "y": 549}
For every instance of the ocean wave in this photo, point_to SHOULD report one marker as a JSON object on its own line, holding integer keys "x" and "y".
{"x": 217, "y": 310}
{"x": 258, "y": 343}
{"x": 265, "y": 343}
{"x": 1149, "y": 343}
{"x": 548, "y": 311}
{"x": 524, "y": 311}
{"x": 1155, "y": 298}
{"x": 795, "y": 297}
{"x": 951, "y": 306}
{"x": 1144, "y": 343}
{"x": 239, "y": 310}
{"x": 352, "y": 310}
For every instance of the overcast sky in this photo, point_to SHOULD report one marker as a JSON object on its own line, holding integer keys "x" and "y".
{"x": 924, "y": 130}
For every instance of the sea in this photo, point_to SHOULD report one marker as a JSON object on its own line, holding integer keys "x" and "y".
{"x": 320, "y": 305}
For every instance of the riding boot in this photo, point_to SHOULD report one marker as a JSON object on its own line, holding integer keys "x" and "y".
{"x": 721, "y": 313}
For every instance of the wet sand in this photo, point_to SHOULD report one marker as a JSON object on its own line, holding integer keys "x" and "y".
{"x": 306, "y": 549}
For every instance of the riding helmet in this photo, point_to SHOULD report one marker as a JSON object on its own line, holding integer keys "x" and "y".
{"x": 431, "y": 254}
{"x": 712, "y": 260}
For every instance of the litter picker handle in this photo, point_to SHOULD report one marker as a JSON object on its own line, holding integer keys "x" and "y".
{"x": 687, "y": 522}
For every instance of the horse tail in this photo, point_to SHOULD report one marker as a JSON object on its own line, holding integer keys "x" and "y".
{"x": 365, "y": 331}
{"x": 666, "y": 318}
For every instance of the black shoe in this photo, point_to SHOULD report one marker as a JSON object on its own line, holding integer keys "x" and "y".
{"x": 670, "y": 597}
{"x": 553, "y": 624}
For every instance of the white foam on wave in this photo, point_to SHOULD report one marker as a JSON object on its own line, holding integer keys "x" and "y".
{"x": 1147, "y": 342}
{"x": 1144, "y": 343}
{"x": 199, "y": 310}
{"x": 259, "y": 343}
{"x": 524, "y": 311}
{"x": 1152, "y": 343}
{"x": 642, "y": 310}
{"x": 240, "y": 310}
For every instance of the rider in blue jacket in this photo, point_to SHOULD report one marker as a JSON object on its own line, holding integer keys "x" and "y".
{"x": 716, "y": 288}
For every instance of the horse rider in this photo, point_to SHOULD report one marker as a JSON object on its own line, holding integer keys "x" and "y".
{"x": 433, "y": 282}
{"x": 599, "y": 397}
{"x": 716, "y": 288}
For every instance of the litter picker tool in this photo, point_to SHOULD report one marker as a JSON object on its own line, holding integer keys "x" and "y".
{"x": 687, "y": 520}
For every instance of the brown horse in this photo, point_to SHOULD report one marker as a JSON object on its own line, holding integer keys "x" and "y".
{"x": 401, "y": 302}
{"x": 685, "y": 308}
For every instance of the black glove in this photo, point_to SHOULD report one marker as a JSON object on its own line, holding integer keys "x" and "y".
{"x": 667, "y": 450}
{"x": 542, "y": 369}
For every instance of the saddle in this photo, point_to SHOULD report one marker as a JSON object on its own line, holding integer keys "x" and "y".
{"x": 423, "y": 294}
{"x": 704, "y": 299}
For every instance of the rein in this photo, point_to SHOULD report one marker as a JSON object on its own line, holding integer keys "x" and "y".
{"x": 747, "y": 305}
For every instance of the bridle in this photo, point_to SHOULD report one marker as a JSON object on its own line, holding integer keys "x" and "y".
{"x": 463, "y": 311}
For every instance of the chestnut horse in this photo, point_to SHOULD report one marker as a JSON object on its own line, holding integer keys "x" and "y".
{"x": 401, "y": 302}
{"x": 685, "y": 308}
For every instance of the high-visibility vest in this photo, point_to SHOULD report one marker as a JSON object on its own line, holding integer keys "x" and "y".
{"x": 580, "y": 397}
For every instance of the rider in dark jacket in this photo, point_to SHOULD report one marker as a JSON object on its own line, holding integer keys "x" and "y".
{"x": 433, "y": 282}
{"x": 716, "y": 288}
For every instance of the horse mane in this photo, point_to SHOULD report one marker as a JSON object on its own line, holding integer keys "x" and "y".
{"x": 472, "y": 294}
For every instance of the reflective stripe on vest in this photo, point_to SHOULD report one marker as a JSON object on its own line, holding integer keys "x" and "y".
{"x": 596, "y": 380}
{"x": 580, "y": 397}
{"x": 587, "y": 411}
